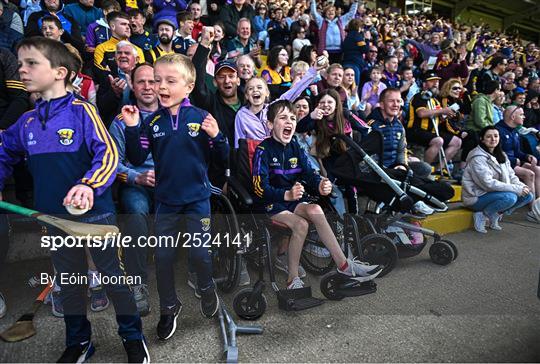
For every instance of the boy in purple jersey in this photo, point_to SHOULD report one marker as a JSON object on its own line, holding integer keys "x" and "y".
{"x": 73, "y": 161}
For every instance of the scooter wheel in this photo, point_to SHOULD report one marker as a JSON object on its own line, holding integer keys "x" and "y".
{"x": 329, "y": 286}
{"x": 453, "y": 246}
{"x": 244, "y": 310}
{"x": 441, "y": 253}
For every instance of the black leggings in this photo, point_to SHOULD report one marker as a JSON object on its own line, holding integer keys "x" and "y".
{"x": 381, "y": 192}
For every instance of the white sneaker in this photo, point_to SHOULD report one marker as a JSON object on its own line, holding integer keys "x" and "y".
{"x": 532, "y": 218}
{"x": 3, "y": 306}
{"x": 296, "y": 283}
{"x": 362, "y": 272}
{"x": 494, "y": 222}
{"x": 282, "y": 263}
{"x": 422, "y": 208}
{"x": 480, "y": 222}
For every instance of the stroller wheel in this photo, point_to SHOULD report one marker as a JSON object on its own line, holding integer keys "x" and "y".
{"x": 245, "y": 310}
{"x": 441, "y": 253}
{"x": 330, "y": 285}
{"x": 379, "y": 249}
{"x": 453, "y": 246}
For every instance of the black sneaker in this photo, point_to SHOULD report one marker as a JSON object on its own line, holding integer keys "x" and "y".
{"x": 209, "y": 303}
{"x": 77, "y": 353}
{"x": 137, "y": 351}
{"x": 167, "y": 321}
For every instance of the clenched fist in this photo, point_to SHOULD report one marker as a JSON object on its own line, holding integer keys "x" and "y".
{"x": 130, "y": 115}
{"x": 210, "y": 126}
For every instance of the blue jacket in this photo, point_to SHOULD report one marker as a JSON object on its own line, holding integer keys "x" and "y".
{"x": 83, "y": 15}
{"x": 510, "y": 143}
{"x": 66, "y": 144}
{"x": 277, "y": 167}
{"x": 181, "y": 151}
{"x": 394, "y": 142}
{"x": 354, "y": 48}
{"x": 144, "y": 41}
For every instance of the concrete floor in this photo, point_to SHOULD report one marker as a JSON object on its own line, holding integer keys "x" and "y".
{"x": 481, "y": 308}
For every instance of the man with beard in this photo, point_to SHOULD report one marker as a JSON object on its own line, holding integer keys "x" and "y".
{"x": 425, "y": 112}
{"x": 114, "y": 90}
{"x": 165, "y": 30}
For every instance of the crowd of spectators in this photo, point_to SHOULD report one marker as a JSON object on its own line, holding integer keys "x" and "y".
{"x": 328, "y": 57}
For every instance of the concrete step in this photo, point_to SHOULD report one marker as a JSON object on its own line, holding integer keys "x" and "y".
{"x": 454, "y": 220}
{"x": 457, "y": 194}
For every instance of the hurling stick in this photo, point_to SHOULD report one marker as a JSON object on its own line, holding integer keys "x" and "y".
{"x": 73, "y": 228}
{"x": 24, "y": 327}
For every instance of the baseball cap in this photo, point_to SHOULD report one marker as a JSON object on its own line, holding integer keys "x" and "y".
{"x": 430, "y": 75}
{"x": 225, "y": 64}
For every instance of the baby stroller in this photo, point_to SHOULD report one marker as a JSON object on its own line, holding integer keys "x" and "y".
{"x": 394, "y": 192}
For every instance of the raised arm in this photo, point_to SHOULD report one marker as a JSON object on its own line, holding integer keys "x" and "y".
{"x": 318, "y": 18}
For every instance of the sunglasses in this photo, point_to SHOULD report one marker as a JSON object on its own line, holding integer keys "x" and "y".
{"x": 456, "y": 88}
{"x": 373, "y": 51}
{"x": 513, "y": 112}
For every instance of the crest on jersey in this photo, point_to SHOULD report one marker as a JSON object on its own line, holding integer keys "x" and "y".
{"x": 66, "y": 136}
{"x": 193, "y": 129}
{"x": 293, "y": 162}
{"x": 205, "y": 222}
{"x": 155, "y": 128}
{"x": 269, "y": 207}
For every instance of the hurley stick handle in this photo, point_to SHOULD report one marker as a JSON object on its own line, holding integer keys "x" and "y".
{"x": 18, "y": 209}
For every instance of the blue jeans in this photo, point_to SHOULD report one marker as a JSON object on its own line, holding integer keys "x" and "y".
{"x": 136, "y": 205}
{"x": 72, "y": 261}
{"x": 196, "y": 216}
{"x": 498, "y": 202}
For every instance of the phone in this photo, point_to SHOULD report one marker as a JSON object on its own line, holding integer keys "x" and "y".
{"x": 454, "y": 107}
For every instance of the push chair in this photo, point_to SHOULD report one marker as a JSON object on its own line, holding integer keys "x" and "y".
{"x": 358, "y": 167}
{"x": 377, "y": 232}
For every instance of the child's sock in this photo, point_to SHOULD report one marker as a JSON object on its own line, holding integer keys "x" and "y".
{"x": 93, "y": 278}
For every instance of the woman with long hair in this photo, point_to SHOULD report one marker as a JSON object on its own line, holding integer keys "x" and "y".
{"x": 350, "y": 87}
{"x": 308, "y": 54}
{"x": 324, "y": 121}
{"x": 277, "y": 71}
{"x": 490, "y": 186}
